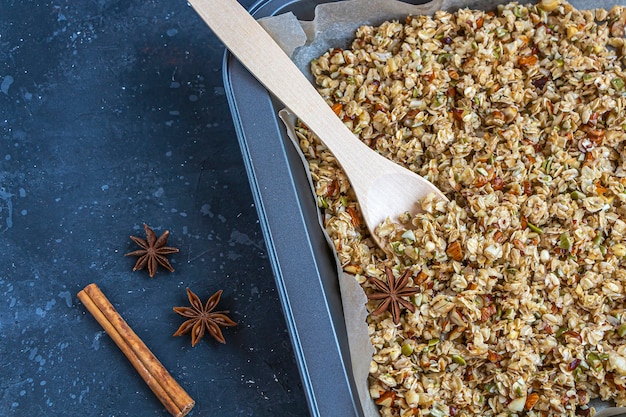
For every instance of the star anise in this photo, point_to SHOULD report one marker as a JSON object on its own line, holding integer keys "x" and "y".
{"x": 391, "y": 294}
{"x": 152, "y": 252}
{"x": 203, "y": 319}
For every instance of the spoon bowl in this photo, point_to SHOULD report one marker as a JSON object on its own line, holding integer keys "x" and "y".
{"x": 383, "y": 188}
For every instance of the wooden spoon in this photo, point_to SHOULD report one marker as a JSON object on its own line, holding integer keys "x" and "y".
{"x": 383, "y": 188}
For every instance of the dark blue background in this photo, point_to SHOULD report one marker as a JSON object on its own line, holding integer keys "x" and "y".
{"x": 113, "y": 113}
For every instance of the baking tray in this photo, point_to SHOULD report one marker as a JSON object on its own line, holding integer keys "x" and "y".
{"x": 304, "y": 267}
{"x": 303, "y": 264}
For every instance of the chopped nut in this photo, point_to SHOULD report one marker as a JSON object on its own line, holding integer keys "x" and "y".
{"x": 517, "y": 405}
{"x": 487, "y": 311}
{"x": 549, "y": 5}
{"x": 454, "y": 251}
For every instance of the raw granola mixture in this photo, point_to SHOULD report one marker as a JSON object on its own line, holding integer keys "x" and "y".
{"x": 518, "y": 116}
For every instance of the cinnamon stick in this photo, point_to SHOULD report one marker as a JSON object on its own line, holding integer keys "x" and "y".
{"x": 173, "y": 397}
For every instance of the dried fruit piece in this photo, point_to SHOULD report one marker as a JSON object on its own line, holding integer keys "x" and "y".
{"x": 531, "y": 400}
{"x": 354, "y": 216}
{"x": 527, "y": 61}
{"x": 386, "y": 399}
{"x": 493, "y": 356}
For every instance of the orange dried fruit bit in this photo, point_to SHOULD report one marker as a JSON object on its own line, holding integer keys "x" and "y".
{"x": 600, "y": 189}
{"x": 354, "y": 216}
{"x": 527, "y": 61}
{"x": 596, "y": 136}
{"x": 494, "y": 357}
{"x": 497, "y": 114}
{"x": 386, "y": 399}
{"x": 479, "y": 22}
{"x": 337, "y": 108}
{"x": 454, "y": 251}
{"x": 332, "y": 188}
{"x": 480, "y": 181}
{"x": 421, "y": 277}
{"x": 531, "y": 400}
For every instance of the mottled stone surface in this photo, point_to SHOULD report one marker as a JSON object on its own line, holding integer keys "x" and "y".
{"x": 113, "y": 113}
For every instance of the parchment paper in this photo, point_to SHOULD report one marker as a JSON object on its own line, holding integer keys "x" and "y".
{"x": 334, "y": 26}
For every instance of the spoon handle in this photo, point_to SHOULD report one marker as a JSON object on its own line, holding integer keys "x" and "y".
{"x": 258, "y": 52}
